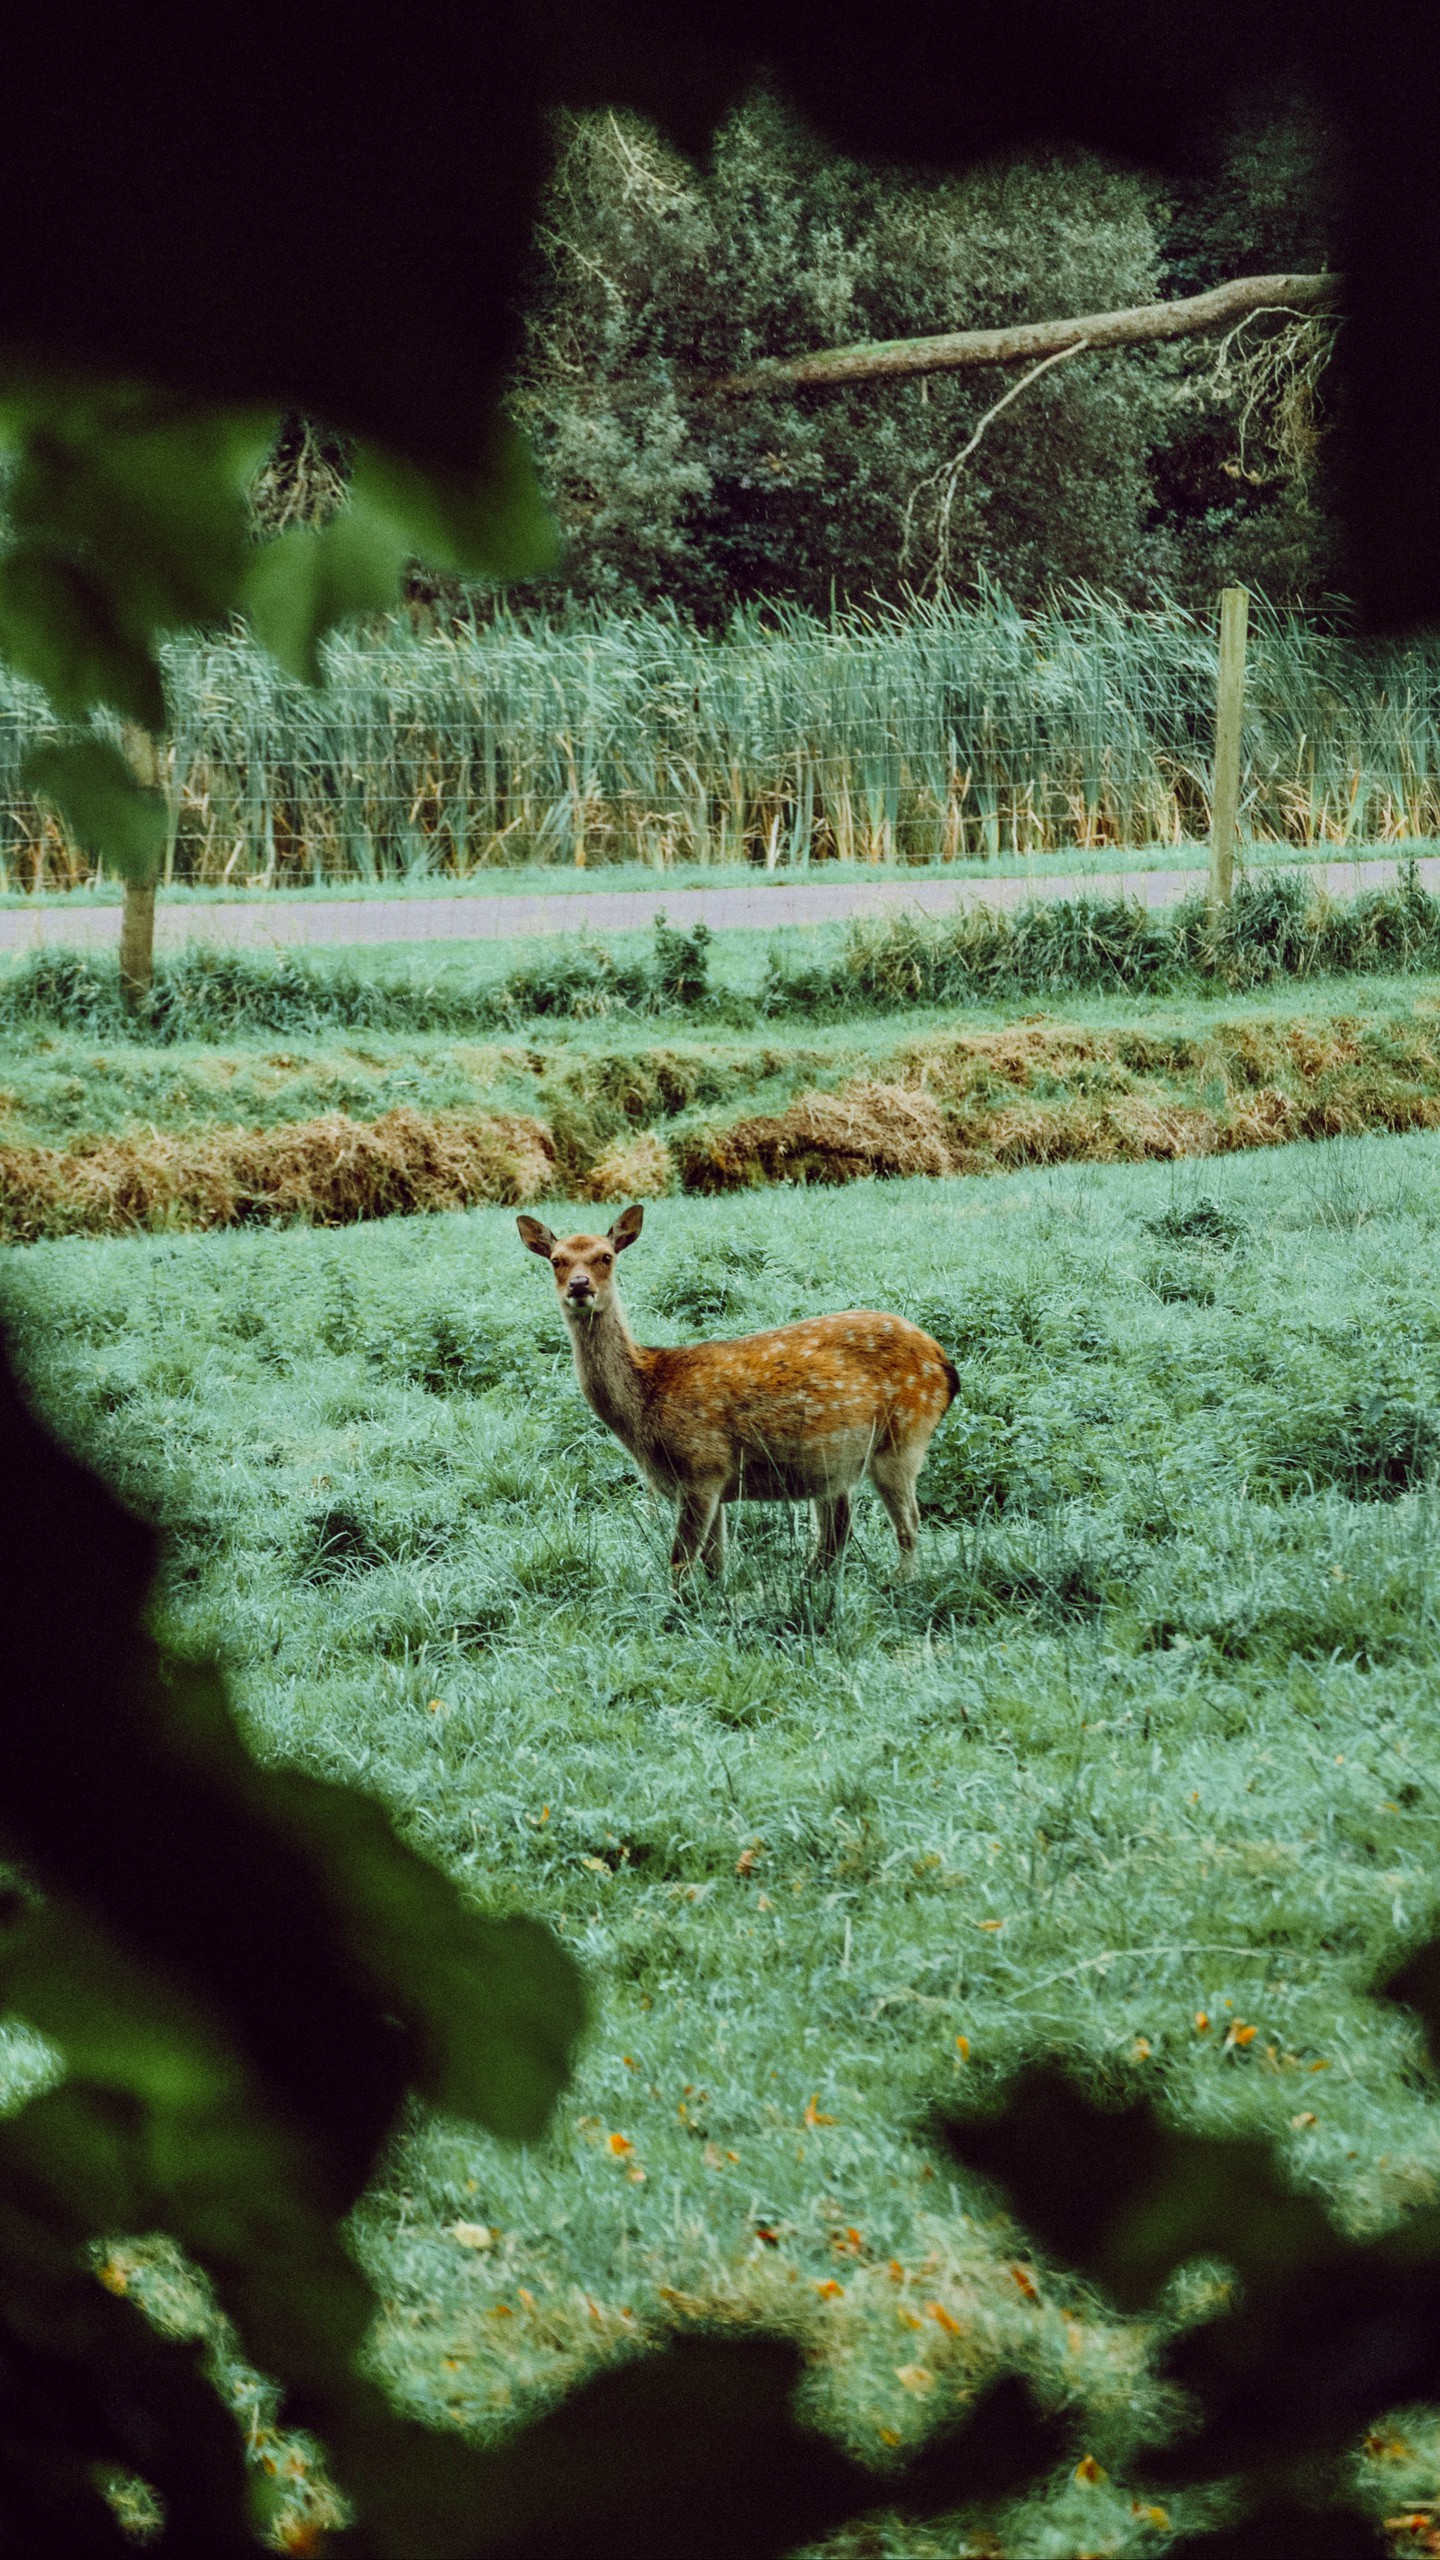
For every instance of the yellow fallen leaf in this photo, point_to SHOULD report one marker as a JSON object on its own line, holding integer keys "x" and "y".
{"x": 962, "y": 2047}
{"x": 827, "y": 2288}
{"x": 1303, "y": 2119}
{"x": 1236, "y": 2034}
{"x": 1151, "y": 2515}
{"x": 989, "y": 1924}
{"x": 473, "y": 2235}
{"x": 944, "y": 2319}
{"x": 813, "y": 2115}
{"x": 597, "y": 1866}
{"x": 1088, "y": 2471}
{"x": 1202, "y": 2022}
{"x": 916, "y": 2377}
{"x": 620, "y": 2144}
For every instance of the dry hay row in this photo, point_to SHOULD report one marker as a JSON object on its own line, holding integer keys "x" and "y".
{"x": 329, "y": 1172}
{"x": 948, "y": 1108}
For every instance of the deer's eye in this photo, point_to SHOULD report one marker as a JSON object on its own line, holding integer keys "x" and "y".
{"x": 604, "y": 1260}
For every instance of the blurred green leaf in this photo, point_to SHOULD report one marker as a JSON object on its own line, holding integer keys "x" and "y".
{"x": 129, "y": 509}
{"x": 299, "y": 586}
{"x": 58, "y": 627}
{"x": 161, "y": 2124}
{"x": 104, "y": 808}
{"x": 496, "y": 2006}
{"x": 148, "y": 492}
{"x": 492, "y": 524}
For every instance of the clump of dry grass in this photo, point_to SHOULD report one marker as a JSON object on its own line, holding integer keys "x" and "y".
{"x": 329, "y": 1172}
{"x": 1036, "y": 1095}
{"x": 865, "y": 1128}
{"x": 633, "y": 1169}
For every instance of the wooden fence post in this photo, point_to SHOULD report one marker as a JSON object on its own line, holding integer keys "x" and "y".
{"x": 1229, "y": 716}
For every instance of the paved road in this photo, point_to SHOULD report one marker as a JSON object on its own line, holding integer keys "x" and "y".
{"x": 270, "y": 924}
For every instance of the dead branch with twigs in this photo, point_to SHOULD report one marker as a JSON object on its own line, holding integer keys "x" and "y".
{"x": 949, "y": 473}
{"x": 1272, "y": 377}
{"x": 304, "y": 479}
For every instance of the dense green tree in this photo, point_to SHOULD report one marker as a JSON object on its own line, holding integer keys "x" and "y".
{"x": 652, "y": 274}
{"x": 1142, "y": 470}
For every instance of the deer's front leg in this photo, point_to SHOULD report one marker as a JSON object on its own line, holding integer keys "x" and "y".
{"x": 699, "y": 1505}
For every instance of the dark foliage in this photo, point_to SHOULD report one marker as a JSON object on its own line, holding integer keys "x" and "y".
{"x": 1320, "y": 2335}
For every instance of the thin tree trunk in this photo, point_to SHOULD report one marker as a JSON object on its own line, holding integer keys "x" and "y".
{"x": 137, "y": 919}
{"x": 137, "y": 945}
{"x": 1148, "y": 323}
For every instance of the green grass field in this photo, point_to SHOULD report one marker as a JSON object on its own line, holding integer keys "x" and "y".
{"x": 1141, "y": 1761}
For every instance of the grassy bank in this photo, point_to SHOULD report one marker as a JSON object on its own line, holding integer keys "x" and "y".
{"x": 1141, "y": 1762}
{"x": 951, "y": 732}
{"x": 1280, "y": 928}
{"x": 105, "y": 1138}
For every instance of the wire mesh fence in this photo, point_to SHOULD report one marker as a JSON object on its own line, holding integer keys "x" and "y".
{"x": 950, "y": 733}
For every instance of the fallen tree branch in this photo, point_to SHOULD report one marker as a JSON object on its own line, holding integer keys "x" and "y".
{"x": 1147, "y": 324}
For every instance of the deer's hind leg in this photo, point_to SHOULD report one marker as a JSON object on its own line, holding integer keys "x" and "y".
{"x": 701, "y": 1518}
{"x": 893, "y": 1473}
{"x": 832, "y": 1526}
{"x": 712, "y": 1552}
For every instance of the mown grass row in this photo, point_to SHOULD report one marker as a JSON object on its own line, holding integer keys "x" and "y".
{"x": 1279, "y": 928}
{"x": 243, "y": 1142}
{"x": 1140, "y": 1765}
{"x": 950, "y": 731}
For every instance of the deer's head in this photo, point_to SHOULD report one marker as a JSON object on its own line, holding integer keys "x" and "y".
{"x": 584, "y": 1266}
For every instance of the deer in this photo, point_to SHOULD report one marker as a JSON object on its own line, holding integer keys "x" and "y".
{"x": 796, "y": 1415}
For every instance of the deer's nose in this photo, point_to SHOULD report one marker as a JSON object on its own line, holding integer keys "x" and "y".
{"x": 580, "y": 1287}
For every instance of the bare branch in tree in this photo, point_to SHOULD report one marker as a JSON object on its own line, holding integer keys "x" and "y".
{"x": 950, "y": 472}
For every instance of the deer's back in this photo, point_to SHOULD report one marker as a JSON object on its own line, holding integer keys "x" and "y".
{"x": 808, "y": 1400}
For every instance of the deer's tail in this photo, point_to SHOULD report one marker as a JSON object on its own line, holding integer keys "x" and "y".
{"x": 952, "y": 1381}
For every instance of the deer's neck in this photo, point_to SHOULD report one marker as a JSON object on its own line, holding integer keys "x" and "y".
{"x": 610, "y": 1367}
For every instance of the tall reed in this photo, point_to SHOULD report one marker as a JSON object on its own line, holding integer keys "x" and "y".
{"x": 951, "y": 732}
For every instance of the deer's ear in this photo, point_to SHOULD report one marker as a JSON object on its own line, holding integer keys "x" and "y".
{"x": 539, "y": 1239}
{"x": 626, "y": 1228}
